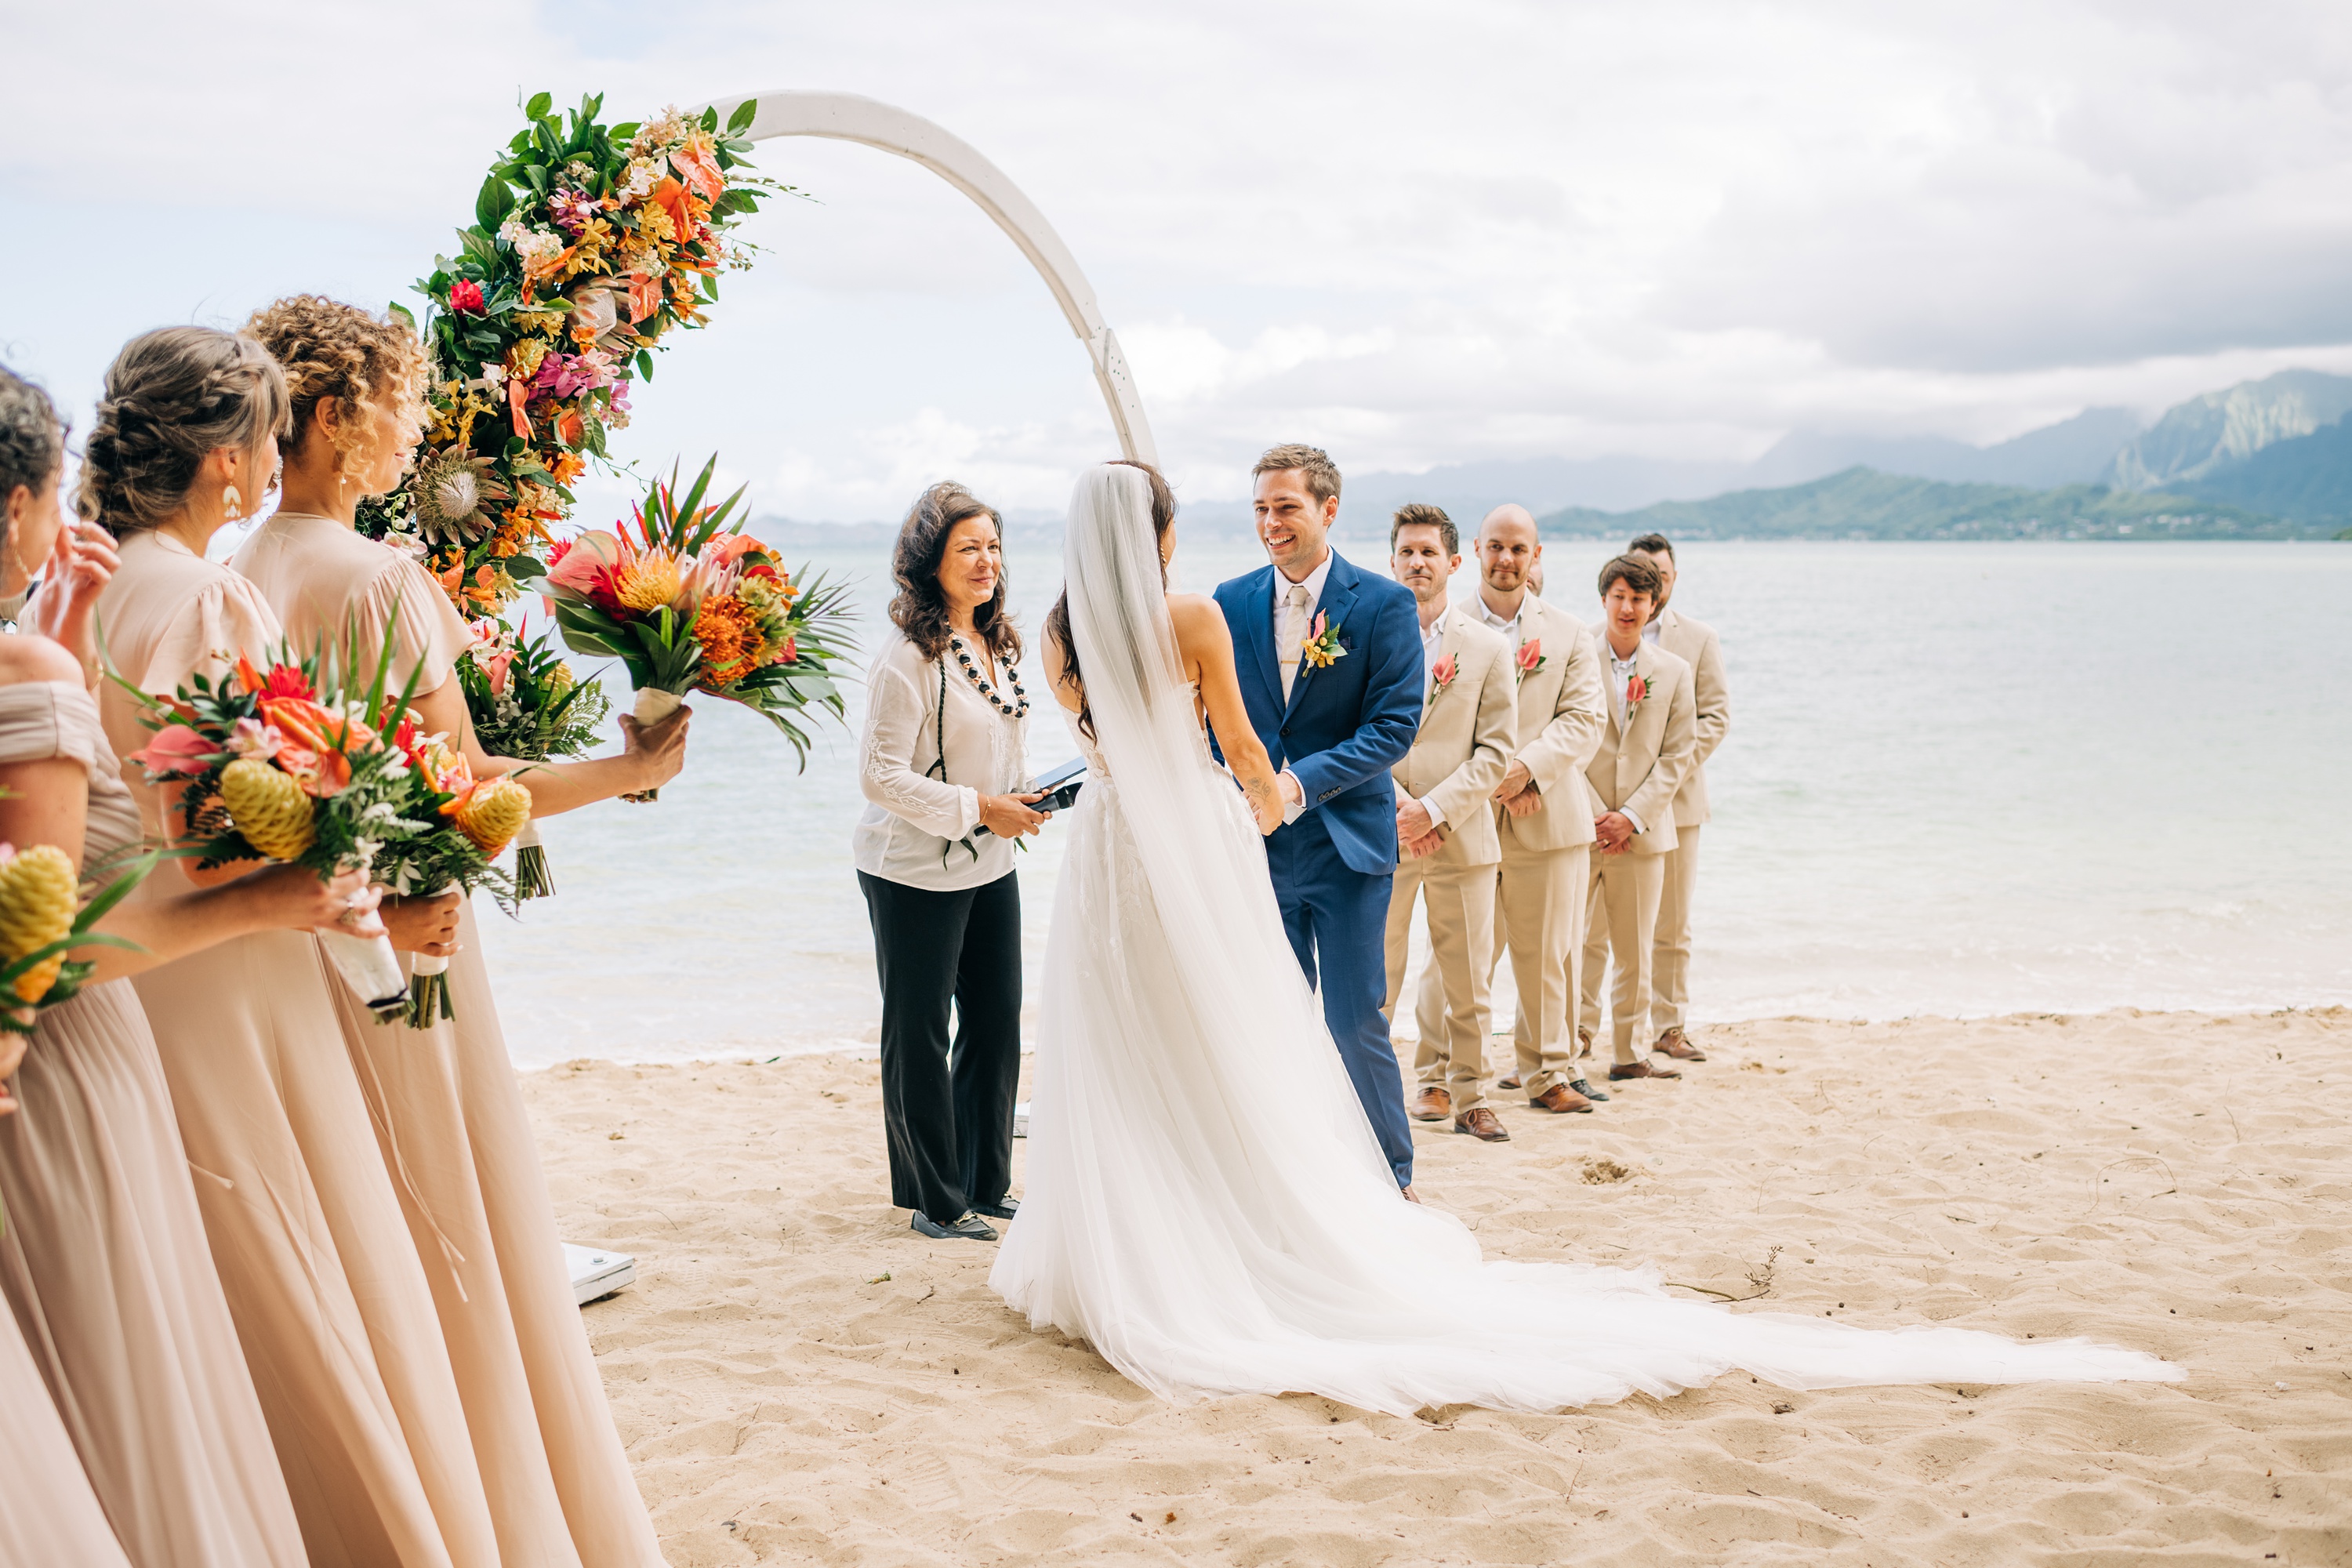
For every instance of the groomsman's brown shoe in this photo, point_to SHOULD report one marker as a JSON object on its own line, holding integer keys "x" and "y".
{"x": 1676, "y": 1043}
{"x": 1510, "y": 1081}
{"x": 1433, "y": 1104}
{"x": 1559, "y": 1100}
{"x": 1482, "y": 1125}
{"x": 1583, "y": 1043}
{"x": 1639, "y": 1070}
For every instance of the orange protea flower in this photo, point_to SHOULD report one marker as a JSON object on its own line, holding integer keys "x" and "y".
{"x": 728, "y": 631}
{"x": 647, "y": 582}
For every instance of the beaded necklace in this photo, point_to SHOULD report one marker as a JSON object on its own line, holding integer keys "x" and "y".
{"x": 1018, "y": 708}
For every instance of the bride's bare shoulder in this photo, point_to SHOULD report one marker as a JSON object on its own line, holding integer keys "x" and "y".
{"x": 1197, "y": 615}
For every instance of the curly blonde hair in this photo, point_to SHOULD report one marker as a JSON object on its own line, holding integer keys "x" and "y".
{"x": 369, "y": 363}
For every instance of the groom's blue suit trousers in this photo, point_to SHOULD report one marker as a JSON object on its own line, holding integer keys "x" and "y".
{"x": 1337, "y": 920}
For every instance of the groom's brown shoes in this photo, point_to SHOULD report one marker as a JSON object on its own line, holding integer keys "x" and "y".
{"x": 1433, "y": 1104}
{"x": 1675, "y": 1044}
{"x": 1482, "y": 1125}
{"x": 1559, "y": 1100}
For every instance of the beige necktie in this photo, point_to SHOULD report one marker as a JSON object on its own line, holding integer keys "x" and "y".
{"x": 1294, "y": 632}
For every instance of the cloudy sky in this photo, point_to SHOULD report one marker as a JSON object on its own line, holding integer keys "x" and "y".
{"x": 1415, "y": 233}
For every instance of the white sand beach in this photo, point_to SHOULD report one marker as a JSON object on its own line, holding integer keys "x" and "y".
{"x": 798, "y": 1377}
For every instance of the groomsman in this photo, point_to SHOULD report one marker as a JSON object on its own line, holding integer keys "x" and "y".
{"x": 1634, "y": 777}
{"x": 1542, "y": 810}
{"x": 1695, "y": 643}
{"x": 1447, "y": 844}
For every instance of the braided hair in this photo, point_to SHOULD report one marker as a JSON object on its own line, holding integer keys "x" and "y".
{"x": 173, "y": 398}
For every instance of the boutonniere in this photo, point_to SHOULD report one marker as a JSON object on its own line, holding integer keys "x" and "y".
{"x": 1530, "y": 657}
{"x": 1637, "y": 688}
{"x": 1324, "y": 648}
{"x": 1441, "y": 676}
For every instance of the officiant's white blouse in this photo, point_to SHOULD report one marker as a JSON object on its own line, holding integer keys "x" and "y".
{"x": 911, "y": 816}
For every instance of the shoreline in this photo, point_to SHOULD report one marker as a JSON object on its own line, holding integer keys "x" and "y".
{"x": 798, "y": 1377}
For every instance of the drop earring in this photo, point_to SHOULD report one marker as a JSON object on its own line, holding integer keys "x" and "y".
{"x": 232, "y": 504}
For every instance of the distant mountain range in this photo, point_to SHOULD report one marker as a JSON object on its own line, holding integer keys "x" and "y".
{"x": 2262, "y": 460}
{"x": 1862, "y": 503}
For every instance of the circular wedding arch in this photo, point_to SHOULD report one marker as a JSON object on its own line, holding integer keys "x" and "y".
{"x": 849, "y": 117}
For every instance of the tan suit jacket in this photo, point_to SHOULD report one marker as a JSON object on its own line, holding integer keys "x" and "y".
{"x": 1561, "y": 716}
{"x": 1641, "y": 766}
{"x": 1465, "y": 741}
{"x": 1695, "y": 643}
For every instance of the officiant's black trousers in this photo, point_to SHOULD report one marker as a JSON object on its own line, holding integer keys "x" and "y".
{"x": 948, "y": 1112}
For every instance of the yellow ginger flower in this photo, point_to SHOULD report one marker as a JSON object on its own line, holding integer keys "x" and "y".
{"x": 268, "y": 807}
{"x": 39, "y": 892}
{"x": 560, "y": 680}
{"x": 493, "y": 813}
{"x": 649, "y": 582}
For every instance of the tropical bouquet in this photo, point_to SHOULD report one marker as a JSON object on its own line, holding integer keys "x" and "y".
{"x": 43, "y": 917}
{"x": 688, "y": 602}
{"x": 475, "y": 820}
{"x": 293, "y": 763}
{"x": 590, "y": 242}
{"x": 526, "y": 704}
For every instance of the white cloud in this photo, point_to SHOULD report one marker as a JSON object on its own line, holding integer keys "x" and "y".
{"x": 1417, "y": 235}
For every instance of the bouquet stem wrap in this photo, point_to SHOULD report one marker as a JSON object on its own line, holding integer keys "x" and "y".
{"x": 428, "y": 985}
{"x": 371, "y": 969}
{"x": 653, "y": 706}
{"x": 532, "y": 876}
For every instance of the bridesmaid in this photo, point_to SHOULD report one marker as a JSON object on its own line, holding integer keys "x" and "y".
{"x": 452, "y": 1123}
{"x": 323, "y": 1283}
{"x": 103, "y": 1259}
{"x": 47, "y": 1512}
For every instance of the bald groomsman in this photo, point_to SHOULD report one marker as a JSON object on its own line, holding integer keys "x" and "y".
{"x": 1695, "y": 643}
{"x": 1544, "y": 813}
{"x": 1447, "y": 847}
{"x": 1634, "y": 777}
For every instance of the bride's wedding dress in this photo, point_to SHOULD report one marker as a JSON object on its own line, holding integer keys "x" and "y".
{"x": 1205, "y": 1205}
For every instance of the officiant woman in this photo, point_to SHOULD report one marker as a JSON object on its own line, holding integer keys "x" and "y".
{"x": 942, "y": 766}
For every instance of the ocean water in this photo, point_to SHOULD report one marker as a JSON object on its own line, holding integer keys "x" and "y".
{"x": 1961, "y": 779}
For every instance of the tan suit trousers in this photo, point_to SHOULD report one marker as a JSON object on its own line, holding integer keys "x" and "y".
{"x": 1670, "y": 954}
{"x": 1623, "y": 926}
{"x": 1452, "y": 1010}
{"x": 1539, "y": 917}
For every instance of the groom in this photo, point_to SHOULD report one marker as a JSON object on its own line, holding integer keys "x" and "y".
{"x": 1330, "y": 667}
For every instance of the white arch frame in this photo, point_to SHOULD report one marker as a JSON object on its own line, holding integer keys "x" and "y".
{"x": 849, "y": 117}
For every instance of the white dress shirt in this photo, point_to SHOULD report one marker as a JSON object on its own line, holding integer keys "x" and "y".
{"x": 1621, "y": 671}
{"x": 913, "y": 820}
{"x": 1510, "y": 628}
{"x": 1292, "y": 810}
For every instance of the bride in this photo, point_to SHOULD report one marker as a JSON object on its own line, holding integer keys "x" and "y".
{"x": 1205, "y": 1202}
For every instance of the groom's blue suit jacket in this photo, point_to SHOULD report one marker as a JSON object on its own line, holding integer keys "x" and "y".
{"x": 1347, "y": 723}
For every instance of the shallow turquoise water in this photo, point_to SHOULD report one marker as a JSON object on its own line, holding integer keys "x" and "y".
{"x": 1961, "y": 779}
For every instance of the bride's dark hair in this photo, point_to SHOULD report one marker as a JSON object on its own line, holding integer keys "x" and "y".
{"x": 1057, "y": 619}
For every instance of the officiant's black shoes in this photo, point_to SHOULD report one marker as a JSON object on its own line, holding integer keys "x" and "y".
{"x": 1005, "y": 1210}
{"x": 969, "y": 1227}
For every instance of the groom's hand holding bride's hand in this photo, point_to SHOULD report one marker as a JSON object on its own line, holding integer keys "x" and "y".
{"x": 1009, "y": 816}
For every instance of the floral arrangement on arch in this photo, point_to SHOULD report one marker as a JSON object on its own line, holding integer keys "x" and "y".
{"x": 590, "y": 244}
{"x": 688, "y": 602}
